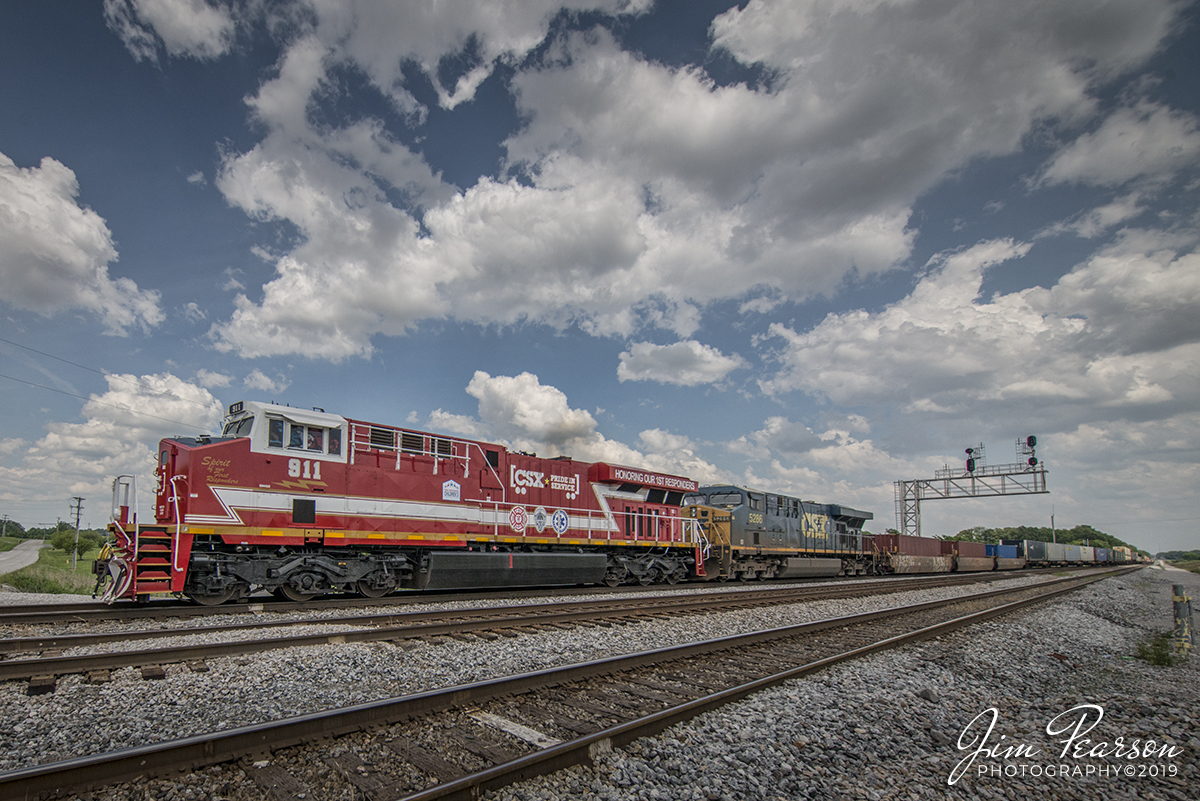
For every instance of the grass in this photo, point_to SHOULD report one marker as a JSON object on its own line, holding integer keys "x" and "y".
{"x": 1159, "y": 651}
{"x": 1192, "y": 565}
{"x": 52, "y": 574}
{"x": 8, "y": 543}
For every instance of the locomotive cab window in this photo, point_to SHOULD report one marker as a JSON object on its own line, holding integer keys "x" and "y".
{"x": 274, "y": 432}
{"x": 726, "y": 500}
{"x": 238, "y": 428}
{"x": 294, "y": 436}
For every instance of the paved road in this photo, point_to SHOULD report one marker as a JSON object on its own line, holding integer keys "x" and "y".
{"x": 25, "y": 554}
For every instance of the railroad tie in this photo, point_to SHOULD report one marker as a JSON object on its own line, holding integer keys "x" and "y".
{"x": 676, "y": 692}
{"x": 282, "y": 785}
{"x": 40, "y": 685}
{"x": 364, "y": 777}
{"x": 425, "y": 760}
{"x": 610, "y": 698}
{"x": 153, "y": 672}
{"x": 491, "y": 751}
{"x": 510, "y": 727}
{"x": 580, "y": 727}
{"x": 642, "y": 692}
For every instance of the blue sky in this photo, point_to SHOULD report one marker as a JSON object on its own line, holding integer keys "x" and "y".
{"x": 811, "y": 247}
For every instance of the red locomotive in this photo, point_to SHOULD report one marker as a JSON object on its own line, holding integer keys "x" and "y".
{"x": 302, "y": 503}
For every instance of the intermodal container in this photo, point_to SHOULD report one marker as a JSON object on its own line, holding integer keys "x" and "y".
{"x": 973, "y": 549}
{"x": 901, "y": 543}
{"x": 1087, "y": 553}
{"x": 1074, "y": 553}
{"x": 1103, "y": 555}
{"x": 1056, "y": 552}
{"x": 1031, "y": 550}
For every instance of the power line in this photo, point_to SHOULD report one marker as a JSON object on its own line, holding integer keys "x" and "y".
{"x": 191, "y": 426}
{"x": 137, "y": 384}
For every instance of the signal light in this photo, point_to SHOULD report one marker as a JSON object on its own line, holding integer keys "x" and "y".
{"x": 970, "y": 463}
{"x": 1031, "y": 441}
{"x": 1033, "y": 461}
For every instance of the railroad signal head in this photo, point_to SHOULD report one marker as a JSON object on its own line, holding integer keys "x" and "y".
{"x": 1031, "y": 441}
{"x": 970, "y": 464}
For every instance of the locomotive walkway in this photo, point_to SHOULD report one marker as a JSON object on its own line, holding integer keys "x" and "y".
{"x": 460, "y": 741}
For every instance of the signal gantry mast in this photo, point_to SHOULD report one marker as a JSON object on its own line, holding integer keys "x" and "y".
{"x": 977, "y": 480}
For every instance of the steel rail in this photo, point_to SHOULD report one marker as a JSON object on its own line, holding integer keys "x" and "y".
{"x": 429, "y": 624}
{"x": 85, "y": 612}
{"x": 643, "y": 604}
{"x": 585, "y": 749}
{"x": 191, "y": 753}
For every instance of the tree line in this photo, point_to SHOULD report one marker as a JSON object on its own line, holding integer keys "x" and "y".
{"x": 61, "y": 535}
{"x": 1180, "y": 556}
{"x": 1079, "y": 535}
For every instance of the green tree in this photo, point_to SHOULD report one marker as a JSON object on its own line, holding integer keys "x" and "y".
{"x": 978, "y": 534}
{"x": 64, "y": 540}
{"x": 50, "y": 531}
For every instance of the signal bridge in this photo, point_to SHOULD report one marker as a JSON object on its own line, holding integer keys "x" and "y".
{"x": 977, "y": 480}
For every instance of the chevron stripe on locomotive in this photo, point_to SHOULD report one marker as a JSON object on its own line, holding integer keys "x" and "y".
{"x": 304, "y": 503}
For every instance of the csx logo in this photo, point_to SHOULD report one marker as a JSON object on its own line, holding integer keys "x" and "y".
{"x": 523, "y": 479}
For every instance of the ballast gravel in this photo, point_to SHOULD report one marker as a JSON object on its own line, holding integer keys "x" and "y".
{"x": 914, "y": 723}
{"x": 889, "y": 726}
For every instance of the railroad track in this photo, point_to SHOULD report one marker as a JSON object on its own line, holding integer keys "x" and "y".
{"x": 165, "y": 608}
{"x": 459, "y": 742}
{"x": 42, "y": 658}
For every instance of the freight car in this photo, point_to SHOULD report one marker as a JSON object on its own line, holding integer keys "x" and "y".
{"x": 303, "y": 503}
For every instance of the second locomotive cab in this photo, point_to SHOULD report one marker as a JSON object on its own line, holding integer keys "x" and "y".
{"x": 759, "y": 535}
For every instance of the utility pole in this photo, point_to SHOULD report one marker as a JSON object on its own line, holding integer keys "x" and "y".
{"x": 77, "y": 508}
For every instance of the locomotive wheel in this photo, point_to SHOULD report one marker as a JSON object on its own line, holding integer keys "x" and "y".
{"x": 290, "y": 593}
{"x": 673, "y": 577}
{"x": 367, "y": 590}
{"x": 213, "y": 600}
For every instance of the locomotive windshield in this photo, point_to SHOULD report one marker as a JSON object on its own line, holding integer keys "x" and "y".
{"x": 238, "y": 428}
{"x": 726, "y": 500}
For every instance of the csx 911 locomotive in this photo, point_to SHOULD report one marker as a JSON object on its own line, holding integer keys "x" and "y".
{"x": 303, "y": 503}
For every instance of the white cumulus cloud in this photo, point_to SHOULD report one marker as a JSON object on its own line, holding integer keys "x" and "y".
{"x": 119, "y": 435}
{"x": 687, "y": 363}
{"x": 640, "y": 192}
{"x": 54, "y": 253}
{"x": 192, "y": 28}
{"x": 1147, "y": 141}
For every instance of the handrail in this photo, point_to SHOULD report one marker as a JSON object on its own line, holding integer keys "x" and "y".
{"x": 178, "y": 525}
